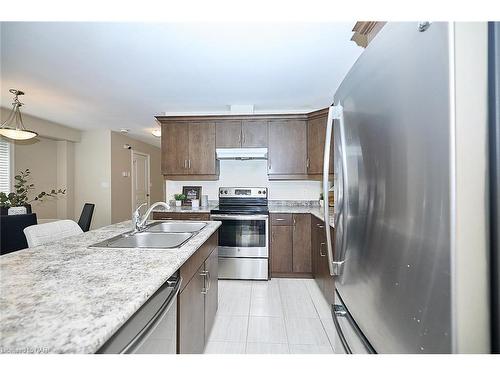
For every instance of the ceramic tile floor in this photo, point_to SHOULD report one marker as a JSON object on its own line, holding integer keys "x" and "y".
{"x": 279, "y": 316}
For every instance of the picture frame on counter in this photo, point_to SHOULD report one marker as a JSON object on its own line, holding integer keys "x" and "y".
{"x": 191, "y": 192}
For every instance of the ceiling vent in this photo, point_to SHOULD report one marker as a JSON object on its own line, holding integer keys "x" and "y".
{"x": 241, "y": 109}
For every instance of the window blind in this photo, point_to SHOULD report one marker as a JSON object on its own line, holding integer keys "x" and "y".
{"x": 5, "y": 172}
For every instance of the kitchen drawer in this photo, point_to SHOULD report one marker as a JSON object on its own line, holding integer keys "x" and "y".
{"x": 181, "y": 216}
{"x": 281, "y": 219}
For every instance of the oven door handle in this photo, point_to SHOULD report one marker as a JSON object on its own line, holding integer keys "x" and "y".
{"x": 238, "y": 217}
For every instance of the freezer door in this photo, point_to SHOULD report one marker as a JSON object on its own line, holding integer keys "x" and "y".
{"x": 396, "y": 275}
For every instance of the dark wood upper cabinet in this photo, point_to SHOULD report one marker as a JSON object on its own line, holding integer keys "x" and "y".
{"x": 241, "y": 133}
{"x": 254, "y": 133}
{"x": 316, "y": 131}
{"x": 188, "y": 150}
{"x": 302, "y": 243}
{"x": 287, "y": 152}
{"x": 174, "y": 148}
{"x": 202, "y": 148}
{"x": 228, "y": 134}
{"x": 295, "y": 143}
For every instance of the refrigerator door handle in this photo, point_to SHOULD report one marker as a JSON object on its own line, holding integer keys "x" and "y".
{"x": 349, "y": 335}
{"x": 335, "y": 261}
{"x": 339, "y": 312}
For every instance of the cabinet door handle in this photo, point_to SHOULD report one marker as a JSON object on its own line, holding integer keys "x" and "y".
{"x": 278, "y": 219}
{"x": 294, "y": 221}
{"x": 189, "y": 163}
{"x": 243, "y": 139}
{"x": 204, "y": 290}
{"x": 185, "y": 164}
{"x": 321, "y": 245}
{"x": 269, "y": 164}
{"x": 320, "y": 226}
{"x": 209, "y": 281}
{"x": 307, "y": 163}
{"x": 239, "y": 139}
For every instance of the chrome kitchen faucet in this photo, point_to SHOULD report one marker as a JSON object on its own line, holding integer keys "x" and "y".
{"x": 140, "y": 223}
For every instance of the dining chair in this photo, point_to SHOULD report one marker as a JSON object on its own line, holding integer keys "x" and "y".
{"x": 86, "y": 216}
{"x": 48, "y": 232}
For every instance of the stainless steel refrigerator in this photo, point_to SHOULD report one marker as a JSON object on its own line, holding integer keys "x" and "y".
{"x": 391, "y": 253}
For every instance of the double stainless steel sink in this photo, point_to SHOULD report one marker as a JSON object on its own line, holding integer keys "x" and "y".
{"x": 158, "y": 235}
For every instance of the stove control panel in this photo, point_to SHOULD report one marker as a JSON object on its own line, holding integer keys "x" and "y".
{"x": 243, "y": 192}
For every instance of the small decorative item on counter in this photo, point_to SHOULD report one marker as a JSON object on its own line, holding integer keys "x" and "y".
{"x": 178, "y": 199}
{"x": 17, "y": 202}
{"x": 191, "y": 192}
{"x": 195, "y": 203}
{"x": 204, "y": 200}
{"x": 321, "y": 201}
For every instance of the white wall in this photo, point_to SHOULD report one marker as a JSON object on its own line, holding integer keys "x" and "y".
{"x": 93, "y": 175}
{"x": 250, "y": 173}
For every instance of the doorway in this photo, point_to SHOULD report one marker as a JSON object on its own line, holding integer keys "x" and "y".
{"x": 140, "y": 179}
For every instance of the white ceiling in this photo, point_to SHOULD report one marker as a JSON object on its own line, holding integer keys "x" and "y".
{"x": 119, "y": 75}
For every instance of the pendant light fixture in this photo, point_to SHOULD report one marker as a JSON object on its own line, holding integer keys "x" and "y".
{"x": 13, "y": 127}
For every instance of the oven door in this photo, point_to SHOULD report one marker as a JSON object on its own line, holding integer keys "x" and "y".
{"x": 243, "y": 236}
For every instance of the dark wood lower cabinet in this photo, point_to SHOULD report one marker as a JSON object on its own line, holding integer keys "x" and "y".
{"x": 321, "y": 271}
{"x": 212, "y": 292}
{"x": 281, "y": 248}
{"x": 291, "y": 245}
{"x": 301, "y": 258}
{"x": 191, "y": 316}
{"x": 197, "y": 302}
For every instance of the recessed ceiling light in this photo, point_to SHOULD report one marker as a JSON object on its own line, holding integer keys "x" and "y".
{"x": 156, "y": 132}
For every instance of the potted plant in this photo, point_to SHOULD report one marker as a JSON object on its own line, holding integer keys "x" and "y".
{"x": 321, "y": 201}
{"x": 17, "y": 202}
{"x": 178, "y": 199}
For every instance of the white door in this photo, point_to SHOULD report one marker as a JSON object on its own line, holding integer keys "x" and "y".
{"x": 140, "y": 179}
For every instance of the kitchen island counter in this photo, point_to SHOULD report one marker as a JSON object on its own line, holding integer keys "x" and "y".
{"x": 64, "y": 297}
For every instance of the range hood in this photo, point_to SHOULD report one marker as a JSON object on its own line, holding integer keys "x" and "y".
{"x": 241, "y": 153}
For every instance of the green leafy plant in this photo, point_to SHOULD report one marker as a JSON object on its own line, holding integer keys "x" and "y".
{"x": 320, "y": 196}
{"x": 180, "y": 197}
{"x": 22, "y": 189}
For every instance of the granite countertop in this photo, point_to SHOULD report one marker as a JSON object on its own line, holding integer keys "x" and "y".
{"x": 275, "y": 206}
{"x": 65, "y": 297}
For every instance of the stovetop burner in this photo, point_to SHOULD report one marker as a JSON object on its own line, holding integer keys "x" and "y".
{"x": 242, "y": 200}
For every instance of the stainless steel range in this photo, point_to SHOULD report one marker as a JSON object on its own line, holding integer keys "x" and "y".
{"x": 243, "y": 236}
